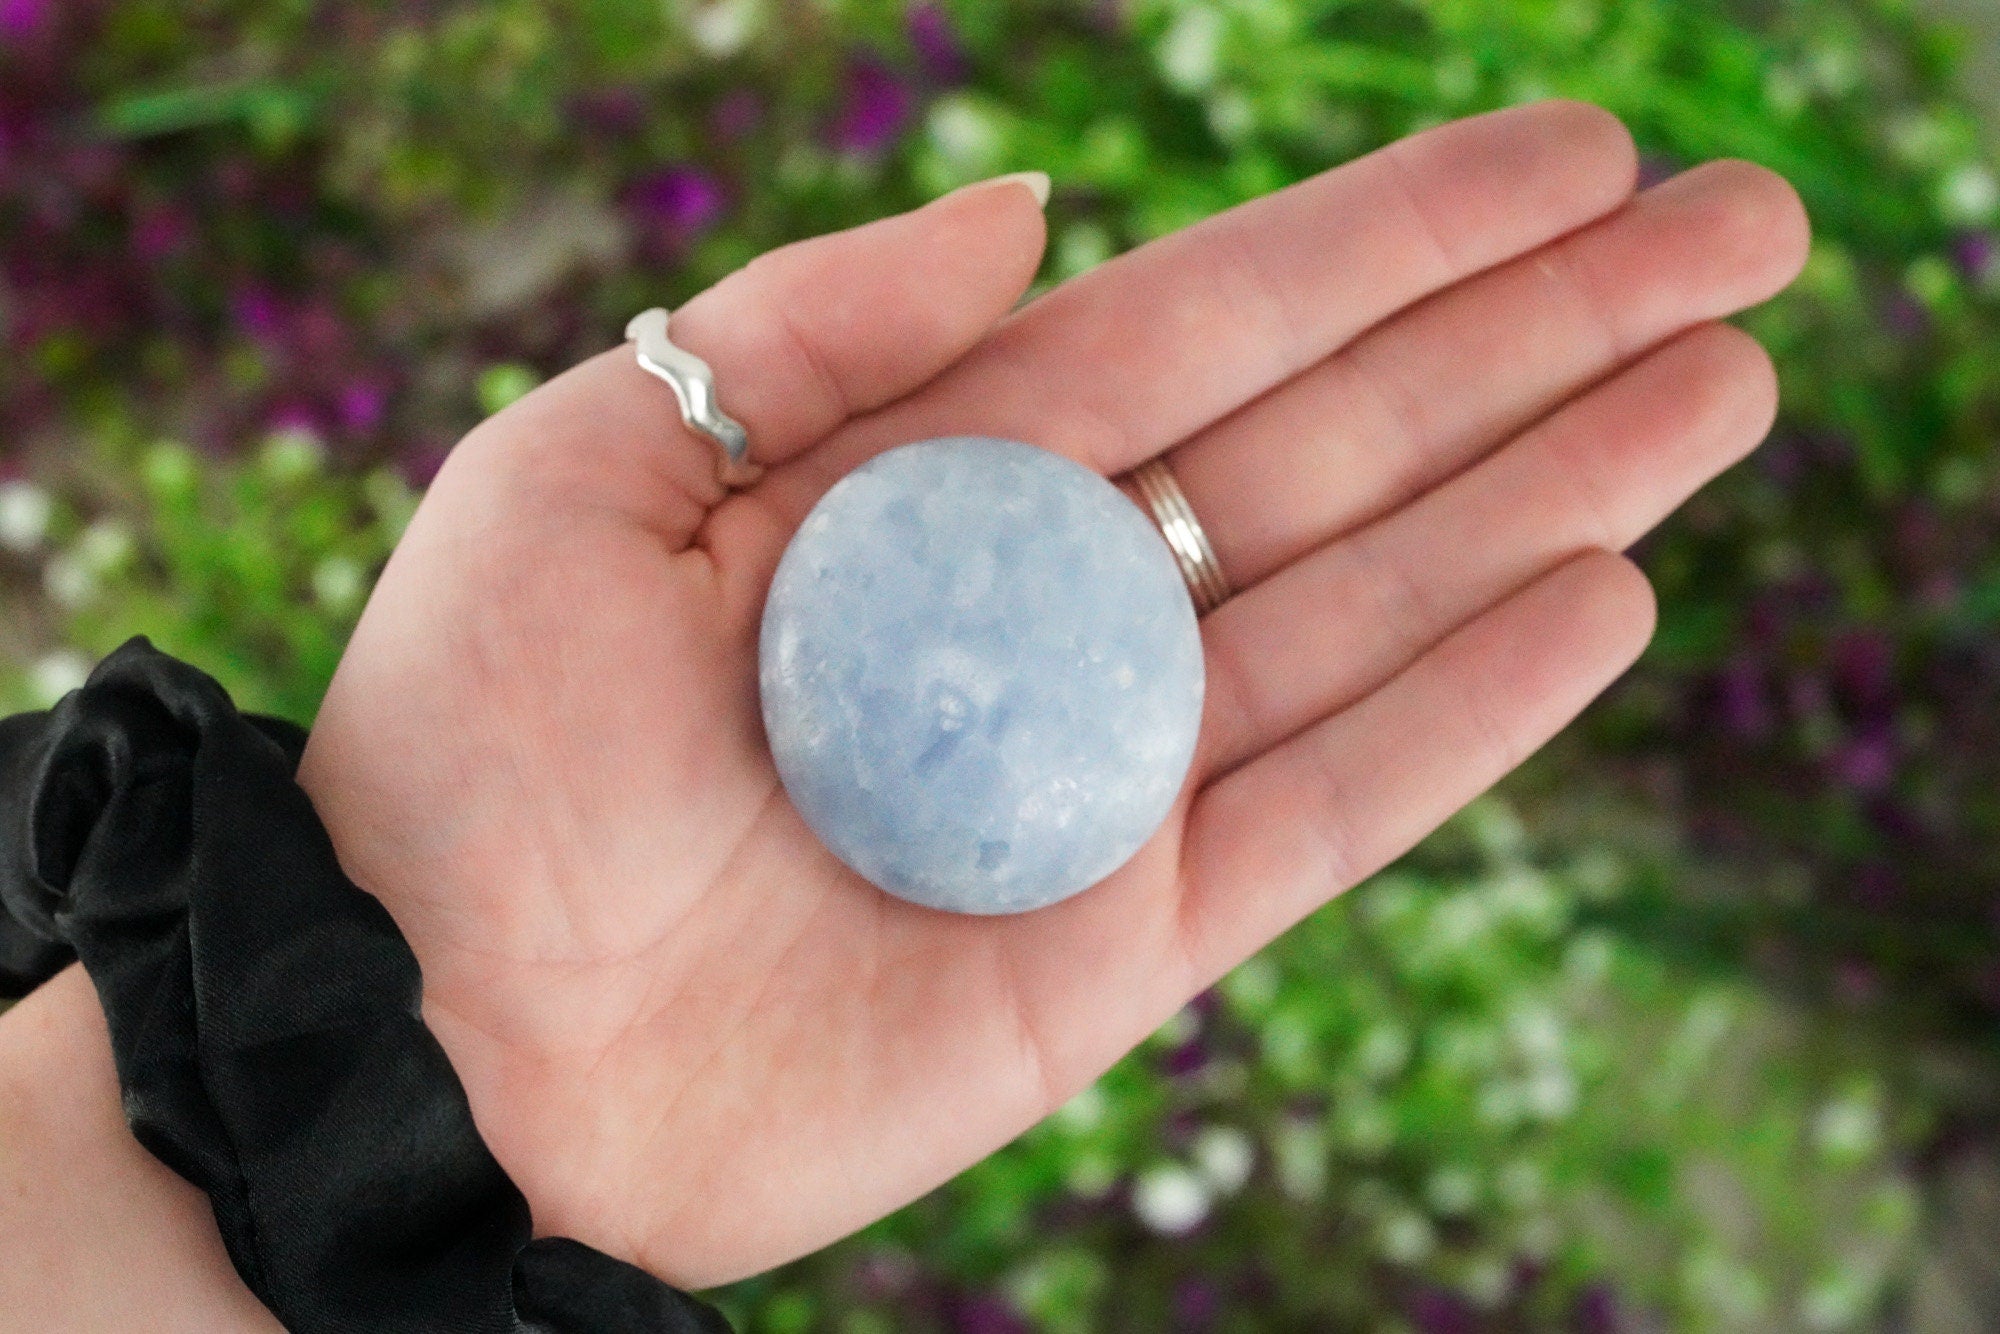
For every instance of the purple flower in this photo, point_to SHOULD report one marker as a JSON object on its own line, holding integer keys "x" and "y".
{"x": 420, "y": 464}
{"x": 936, "y": 43}
{"x": 19, "y": 18}
{"x": 1764, "y": 622}
{"x": 1974, "y": 254}
{"x": 319, "y": 332}
{"x": 1896, "y": 819}
{"x": 1655, "y": 169}
{"x": 1437, "y": 1312}
{"x": 683, "y": 200}
{"x": 1196, "y": 1304}
{"x": 1866, "y": 763}
{"x": 873, "y": 108}
{"x": 1782, "y": 458}
{"x": 987, "y": 1315}
{"x": 1904, "y": 316}
{"x": 882, "y": 1275}
{"x": 1940, "y": 591}
{"x": 95, "y": 170}
{"x": 1876, "y": 886}
{"x": 160, "y": 232}
{"x": 256, "y": 311}
{"x": 1856, "y": 981}
{"x": 1186, "y": 1059}
{"x": 1743, "y": 701}
{"x": 362, "y": 405}
{"x": 1807, "y": 695}
{"x": 1597, "y": 1311}
{"x": 610, "y": 111}
{"x": 235, "y": 178}
{"x": 737, "y": 114}
{"x": 1864, "y": 664}
{"x": 292, "y": 415}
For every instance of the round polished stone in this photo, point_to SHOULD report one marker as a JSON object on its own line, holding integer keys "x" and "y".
{"x": 981, "y": 674}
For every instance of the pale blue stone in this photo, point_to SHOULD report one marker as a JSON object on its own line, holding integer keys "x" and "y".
{"x": 981, "y": 674}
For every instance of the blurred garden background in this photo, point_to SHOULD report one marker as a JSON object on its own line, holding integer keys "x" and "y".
{"x": 1689, "y": 1026}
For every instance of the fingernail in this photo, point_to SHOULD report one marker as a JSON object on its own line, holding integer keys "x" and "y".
{"x": 1036, "y": 181}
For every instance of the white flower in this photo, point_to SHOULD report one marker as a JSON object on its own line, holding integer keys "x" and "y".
{"x": 1552, "y": 1094}
{"x": 1081, "y": 247}
{"x": 1521, "y": 1183}
{"x": 339, "y": 583}
{"x": 1537, "y": 1238}
{"x": 1170, "y": 1200}
{"x": 1180, "y": 1026}
{"x": 68, "y": 581}
{"x": 1225, "y": 1157}
{"x": 1452, "y": 1191}
{"x": 1288, "y": 1047}
{"x": 1083, "y": 1112}
{"x": 1537, "y": 1032}
{"x": 1487, "y": 1282}
{"x": 1090, "y": 1175}
{"x": 1502, "y": 1102}
{"x": 1839, "y": 1300}
{"x": 1191, "y": 51}
{"x": 1407, "y": 1237}
{"x": 104, "y": 546}
{"x": 1231, "y": 116}
{"x": 1969, "y": 196}
{"x": 292, "y": 455}
{"x": 1848, "y": 1129}
{"x": 24, "y": 515}
{"x": 1254, "y": 984}
{"x": 1298, "y": 1154}
{"x": 965, "y": 133}
{"x": 1383, "y": 1052}
{"x": 1366, "y": 1127}
{"x": 724, "y": 28}
{"x": 56, "y": 674}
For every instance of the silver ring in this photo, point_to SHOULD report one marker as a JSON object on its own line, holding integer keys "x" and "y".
{"x": 693, "y": 384}
{"x": 1185, "y": 538}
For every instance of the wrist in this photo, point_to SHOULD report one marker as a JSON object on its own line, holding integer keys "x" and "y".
{"x": 97, "y": 1234}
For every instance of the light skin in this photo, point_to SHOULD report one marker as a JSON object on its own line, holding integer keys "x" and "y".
{"x": 1420, "y": 402}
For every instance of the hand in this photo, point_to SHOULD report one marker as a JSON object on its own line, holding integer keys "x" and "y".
{"x": 1419, "y": 403}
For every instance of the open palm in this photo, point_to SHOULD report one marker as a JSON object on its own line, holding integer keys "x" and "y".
{"x": 1419, "y": 402}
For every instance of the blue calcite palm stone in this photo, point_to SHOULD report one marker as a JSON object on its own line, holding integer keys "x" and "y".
{"x": 981, "y": 674}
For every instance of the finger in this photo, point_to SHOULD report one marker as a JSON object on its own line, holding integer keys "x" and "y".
{"x": 1116, "y": 365}
{"x": 1334, "y": 625}
{"x": 1420, "y": 397}
{"x": 799, "y": 339}
{"x": 1333, "y": 805}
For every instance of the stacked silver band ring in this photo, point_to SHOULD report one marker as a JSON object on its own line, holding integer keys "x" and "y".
{"x": 1170, "y": 509}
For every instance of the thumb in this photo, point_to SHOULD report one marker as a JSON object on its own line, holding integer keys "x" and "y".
{"x": 800, "y": 339}
{"x": 813, "y": 333}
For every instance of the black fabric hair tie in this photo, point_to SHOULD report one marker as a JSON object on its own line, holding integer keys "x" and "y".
{"x": 264, "y": 1020}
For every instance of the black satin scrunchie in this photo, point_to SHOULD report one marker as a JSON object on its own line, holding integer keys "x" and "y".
{"x": 264, "y": 1021}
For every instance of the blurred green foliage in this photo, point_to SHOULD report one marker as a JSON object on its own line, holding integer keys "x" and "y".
{"x": 1515, "y": 1083}
{"x": 254, "y": 571}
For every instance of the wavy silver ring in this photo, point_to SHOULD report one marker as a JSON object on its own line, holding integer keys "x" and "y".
{"x": 1185, "y": 537}
{"x": 693, "y": 384}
